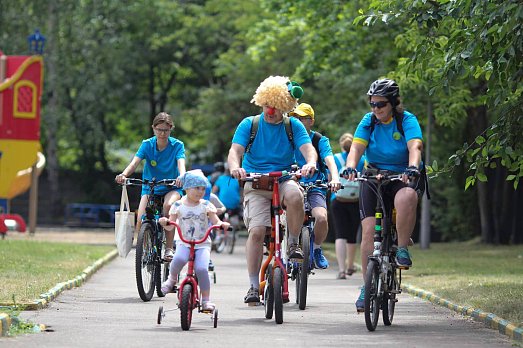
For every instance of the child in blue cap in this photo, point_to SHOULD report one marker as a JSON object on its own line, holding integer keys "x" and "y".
{"x": 193, "y": 214}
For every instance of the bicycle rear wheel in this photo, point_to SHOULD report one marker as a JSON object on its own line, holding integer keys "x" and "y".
{"x": 278, "y": 295}
{"x": 186, "y": 307}
{"x": 372, "y": 298}
{"x": 145, "y": 262}
{"x": 303, "y": 269}
{"x": 389, "y": 298}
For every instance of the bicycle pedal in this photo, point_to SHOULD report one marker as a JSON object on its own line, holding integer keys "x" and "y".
{"x": 403, "y": 268}
{"x": 254, "y": 304}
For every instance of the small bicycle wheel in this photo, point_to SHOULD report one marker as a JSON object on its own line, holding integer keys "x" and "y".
{"x": 215, "y": 318}
{"x": 278, "y": 295}
{"x": 186, "y": 307}
{"x": 268, "y": 294}
{"x": 389, "y": 298}
{"x": 303, "y": 269}
{"x": 161, "y": 314}
{"x": 145, "y": 263}
{"x": 372, "y": 298}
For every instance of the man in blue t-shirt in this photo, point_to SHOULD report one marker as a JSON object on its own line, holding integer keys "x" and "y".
{"x": 316, "y": 197}
{"x": 270, "y": 151}
{"x": 227, "y": 189}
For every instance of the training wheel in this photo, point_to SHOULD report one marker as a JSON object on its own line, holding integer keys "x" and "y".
{"x": 215, "y": 318}
{"x": 161, "y": 314}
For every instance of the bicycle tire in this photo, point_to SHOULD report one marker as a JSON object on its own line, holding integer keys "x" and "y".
{"x": 278, "y": 295}
{"x": 268, "y": 294}
{"x": 163, "y": 269}
{"x": 232, "y": 240}
{"x": 372, "y": 298}
{"x": 389, "y": 299}
{"x": 186, "y": 307}
{"x": 222, "y": 243}
{"x": 145, "y": 264}
{"x": 303, "y": 269}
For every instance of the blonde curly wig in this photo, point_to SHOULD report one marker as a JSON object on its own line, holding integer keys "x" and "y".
{"x": 273, "y": 91}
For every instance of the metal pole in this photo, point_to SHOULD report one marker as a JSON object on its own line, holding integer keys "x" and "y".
{"x": 425, "y": 203}
{"x": 33, "y": 199}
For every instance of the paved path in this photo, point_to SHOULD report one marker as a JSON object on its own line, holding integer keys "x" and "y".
{"x": 107, "y": 312}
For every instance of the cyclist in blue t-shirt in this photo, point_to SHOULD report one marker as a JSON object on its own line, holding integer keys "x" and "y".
{"x": 388, "y": 147}
{"x": 317, "y": 197}
{"x": 271, "y": 150}
{"x": 164, "y": 159}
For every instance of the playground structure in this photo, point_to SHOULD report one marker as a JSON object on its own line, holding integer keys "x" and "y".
{"x": 21, "y": 159}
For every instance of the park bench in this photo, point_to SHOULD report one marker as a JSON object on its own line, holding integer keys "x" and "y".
{"x": 90, "y": 215}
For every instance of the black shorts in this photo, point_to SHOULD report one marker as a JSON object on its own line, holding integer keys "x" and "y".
{"x": 368, "y": 197}
{"x": 346, "y": 220}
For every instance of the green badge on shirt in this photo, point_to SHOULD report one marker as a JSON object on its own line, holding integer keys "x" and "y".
{"x": 396, "y": 136}
{"x": 153, "y": 163}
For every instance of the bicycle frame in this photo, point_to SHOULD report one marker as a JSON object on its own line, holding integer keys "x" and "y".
{"x": 274, "y": 256}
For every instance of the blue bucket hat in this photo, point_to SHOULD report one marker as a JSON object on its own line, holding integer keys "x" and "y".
{"x": 194, "y": 178}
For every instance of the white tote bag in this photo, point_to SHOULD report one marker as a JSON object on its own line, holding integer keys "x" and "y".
{"x": 124, "y": 225}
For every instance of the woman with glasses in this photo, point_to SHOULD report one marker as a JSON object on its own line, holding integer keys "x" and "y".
{"x": 164, "y": 159}
{"x": 391, "y": 139}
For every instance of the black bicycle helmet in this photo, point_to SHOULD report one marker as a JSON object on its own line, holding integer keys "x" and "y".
{"x": 384, "y": 88}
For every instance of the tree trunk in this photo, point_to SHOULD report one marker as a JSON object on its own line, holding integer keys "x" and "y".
{"x": 51, "y": 115}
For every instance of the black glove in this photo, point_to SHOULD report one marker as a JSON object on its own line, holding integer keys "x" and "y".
{"x": 348, "y": 171}
{"x": 412, "y": 172}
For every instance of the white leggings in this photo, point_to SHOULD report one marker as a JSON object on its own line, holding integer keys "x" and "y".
{"x": 201, "y": 264}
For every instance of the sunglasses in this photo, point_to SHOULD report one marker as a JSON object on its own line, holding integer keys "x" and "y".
{"x": 378, "y": 105}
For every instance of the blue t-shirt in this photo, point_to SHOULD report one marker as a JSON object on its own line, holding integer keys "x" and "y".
{"x": 386, "y": 148}
{"x": 228, "y": 191}
{"x": 160, "y": 164}
{"x": 325, "y": 150}
{"x": 271, "y": 150}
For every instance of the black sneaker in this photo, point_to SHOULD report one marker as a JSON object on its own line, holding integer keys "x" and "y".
{"x": 295, "y": 252}
{"x": 253, "y": 295}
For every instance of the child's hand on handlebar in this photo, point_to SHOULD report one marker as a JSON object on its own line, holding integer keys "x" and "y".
{"x": 163, "y": 221}
{"x": 225, "y": 225}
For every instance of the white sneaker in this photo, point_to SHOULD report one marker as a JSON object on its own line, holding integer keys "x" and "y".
{"x": 208, "y": 307}
{"x": 168, "y": 285}
{"x": 169, "y": 254}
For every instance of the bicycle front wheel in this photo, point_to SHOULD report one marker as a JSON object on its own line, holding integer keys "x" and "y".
{"x": 145, "y": 262}
{"x": 278, "y": 295}
{"x": 232, "y": 240}
{"x": 303, "y": 269}
{"x": 186, "y": 307}
{"x": 372, "y": 298}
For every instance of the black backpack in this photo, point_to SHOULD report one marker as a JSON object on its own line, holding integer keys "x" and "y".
{"x": 288, "y": 129}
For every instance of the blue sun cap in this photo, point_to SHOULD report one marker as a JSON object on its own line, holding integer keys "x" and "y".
{"x": 194, "y": 178}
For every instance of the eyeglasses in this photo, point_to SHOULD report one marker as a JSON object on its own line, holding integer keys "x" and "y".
{"x": 378, "y": 105}
{"x": 163, "y": 130}
{"x": 305, "y": 118}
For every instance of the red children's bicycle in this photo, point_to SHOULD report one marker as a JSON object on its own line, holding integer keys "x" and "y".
{"x": 188, "y": 291}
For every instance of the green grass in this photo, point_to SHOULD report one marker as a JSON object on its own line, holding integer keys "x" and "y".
{"x": 486, "y": 277}
{"x": 30, "y": 268}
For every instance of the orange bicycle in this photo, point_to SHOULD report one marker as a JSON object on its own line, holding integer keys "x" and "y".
{"x": 274, "y": 287}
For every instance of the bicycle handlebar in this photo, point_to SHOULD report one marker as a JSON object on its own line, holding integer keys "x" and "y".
{"x": 150, "y": 183}
{"x": 193, "y": 241}
{"x": 316, "y": 184}
{"x": 277, "y": 174}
